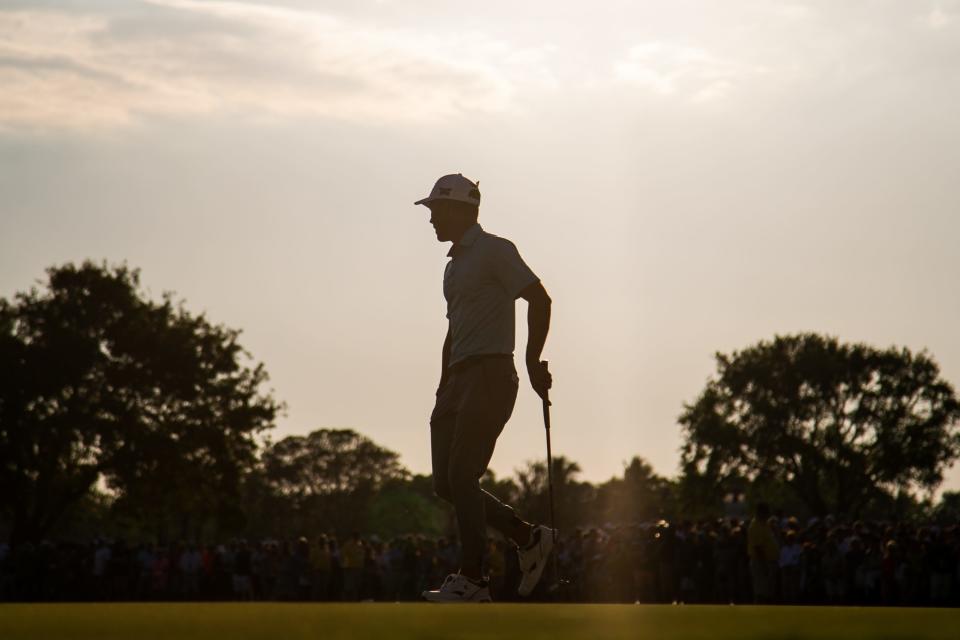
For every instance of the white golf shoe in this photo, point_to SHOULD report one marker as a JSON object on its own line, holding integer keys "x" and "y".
{"x": 456, "y": 588}
{"x": 533, "y": 558}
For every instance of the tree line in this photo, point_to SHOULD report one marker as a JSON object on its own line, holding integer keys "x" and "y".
{"x": 124, "y": 414}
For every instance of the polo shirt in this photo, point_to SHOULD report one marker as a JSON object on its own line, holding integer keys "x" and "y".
{"x": 481, "y": 283}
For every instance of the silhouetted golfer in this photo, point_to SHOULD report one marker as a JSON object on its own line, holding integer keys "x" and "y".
{"x": 478, "y": 384}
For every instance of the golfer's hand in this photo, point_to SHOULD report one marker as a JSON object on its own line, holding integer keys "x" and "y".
{"x": 540, "y": 378}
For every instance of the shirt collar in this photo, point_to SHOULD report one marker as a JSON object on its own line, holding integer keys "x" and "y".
{"x": 469, "y": 237}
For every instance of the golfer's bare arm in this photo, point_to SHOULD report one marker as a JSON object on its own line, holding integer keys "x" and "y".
{"x": 444, "y": 360}
{"x": 538, "y": 325}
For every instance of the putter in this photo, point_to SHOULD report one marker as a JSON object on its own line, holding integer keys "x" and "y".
{"x": 558, "y": 582}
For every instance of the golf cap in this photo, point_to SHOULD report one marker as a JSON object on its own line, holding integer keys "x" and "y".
{"x": 454, "y": 187}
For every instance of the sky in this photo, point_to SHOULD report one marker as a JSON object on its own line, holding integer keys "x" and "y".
{"x": 685, "y": 176}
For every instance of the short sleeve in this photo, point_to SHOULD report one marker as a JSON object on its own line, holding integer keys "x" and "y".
{"x": 510, "y": 270}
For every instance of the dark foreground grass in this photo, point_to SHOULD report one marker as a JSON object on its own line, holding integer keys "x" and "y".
{"x": 501, "y": 621}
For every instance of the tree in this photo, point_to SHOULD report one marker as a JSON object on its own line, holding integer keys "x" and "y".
{"x": 101, "y": 385}
{"x": 400, "y": 509}
{"x": 947, "y": 510}
{"x": 329, "y": 477}
{"x": 505, "y": 489}
{"x": 571, "y": 498}
{"x": 640, "y": 496}
{"x": 844, "y": 426}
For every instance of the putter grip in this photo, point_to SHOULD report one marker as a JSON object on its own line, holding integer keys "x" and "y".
{"x": 546, "y": 400}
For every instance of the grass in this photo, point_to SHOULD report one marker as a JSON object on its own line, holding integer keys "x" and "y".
{"x": 236, "y": 621}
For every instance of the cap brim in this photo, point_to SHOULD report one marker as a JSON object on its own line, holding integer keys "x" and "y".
{"x": 435, "y": 199}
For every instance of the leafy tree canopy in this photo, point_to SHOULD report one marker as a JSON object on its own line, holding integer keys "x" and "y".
{"x": 572, "y": 498}
{"x": 328, "y": 479}
{"x": 843, "y": 425}
{"x": 101, "y": 384}
{"x": 639, "y": 496}
{"x": 330, "y": 461}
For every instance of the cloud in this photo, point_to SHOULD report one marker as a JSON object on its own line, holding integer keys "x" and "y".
{"x": 938, "y": 18}
{"x": 800, "y": 51}
{"x": 422, "y": 61}
{"x": 691, "y": 72}
{"x": 61, "y": 69}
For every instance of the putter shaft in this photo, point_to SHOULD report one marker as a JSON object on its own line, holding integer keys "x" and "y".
{"x": 553, "y": 520}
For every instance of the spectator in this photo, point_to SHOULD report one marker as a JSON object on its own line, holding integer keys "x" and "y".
{"x": 289, "y": 576}
{"x": 764, "y": 552}
{"x": 242, "y": 583}
{"x": 497, "y": 567}
{"x": 351, "y": 559}
{"x": 320, "y": 562}
{"x": 824, "y": 562}
{"x": 190, "y": 564}
{"x": 270, "y": 571}
{"x": 6, "y": 575}
{"x": 101, "y": 564}
{"x": 791, "y": 554}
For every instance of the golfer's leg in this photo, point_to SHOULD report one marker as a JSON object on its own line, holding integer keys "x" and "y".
{"x": 466, "y": 465}
{"x": 501, "y": 382}
{"x": 486, "y": 403}
{"x": 442, "y": 425}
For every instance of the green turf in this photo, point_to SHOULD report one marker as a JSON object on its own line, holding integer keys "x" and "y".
{"x": 501, "y": 621}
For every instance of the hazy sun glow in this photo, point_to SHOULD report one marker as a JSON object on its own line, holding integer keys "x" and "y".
{"x": 686, "y": 177}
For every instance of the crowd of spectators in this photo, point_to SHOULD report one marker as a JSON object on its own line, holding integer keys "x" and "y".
{"x": 769, "y": 559}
